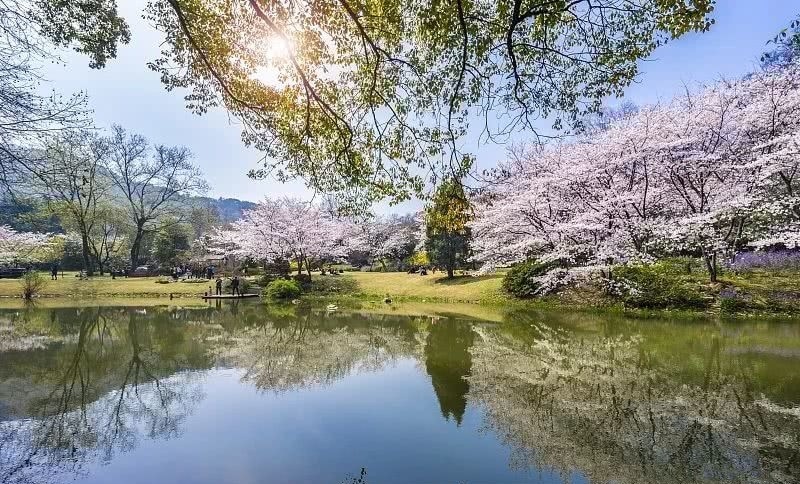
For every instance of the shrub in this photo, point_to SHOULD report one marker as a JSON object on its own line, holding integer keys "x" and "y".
{"x": 303, "y": 280}
{"x": 520, "y": 281}
{"x": 283, "y": 289}
{"x": 32, "y": 284}
{"x": 731, "y": 301}
{"x": 681, "y": 266}
{"x": 656, "y": 287}
{"x": 264, "y": 280}
{"x": 333, "y": 285}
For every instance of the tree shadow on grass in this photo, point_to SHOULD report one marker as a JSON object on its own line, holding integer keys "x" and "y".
{"x": 462, "y": 280}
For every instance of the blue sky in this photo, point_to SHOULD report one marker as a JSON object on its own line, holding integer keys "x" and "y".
{"x": 127, "y": 93}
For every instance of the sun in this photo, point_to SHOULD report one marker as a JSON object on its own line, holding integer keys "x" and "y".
{"x": 278, "y": 48}
{"x": 276, "y": 52}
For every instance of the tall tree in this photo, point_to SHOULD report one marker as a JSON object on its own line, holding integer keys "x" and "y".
{"x": 447, "y": 235}
{"x": 107, "y": 239}
{"x": 154, "y": 182}
{"x": 372, "y": 98}
{"x": 171, "y": 241}
{"x": 69, "y": 175}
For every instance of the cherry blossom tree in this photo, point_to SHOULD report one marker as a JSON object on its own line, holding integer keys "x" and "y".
{"x": 287, "y": 229}
{"x": 16, "y": 247}
{"x": 382, "y": 238}
{"x": 704, "y": 174}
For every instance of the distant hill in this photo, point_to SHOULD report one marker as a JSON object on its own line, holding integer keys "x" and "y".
{"x": 229, "y": 209}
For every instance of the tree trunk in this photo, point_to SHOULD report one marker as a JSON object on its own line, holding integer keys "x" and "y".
{"x": 711, "y": 265}
{"x": 136, "y": 246}
{"x": 87, "y": 257}
{"x": 451, "y": 260}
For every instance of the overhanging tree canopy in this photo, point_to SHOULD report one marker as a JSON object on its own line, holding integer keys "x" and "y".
{"x": 374, "y": 97}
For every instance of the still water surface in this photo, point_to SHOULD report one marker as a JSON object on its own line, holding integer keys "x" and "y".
{"x": 248, "y": 394}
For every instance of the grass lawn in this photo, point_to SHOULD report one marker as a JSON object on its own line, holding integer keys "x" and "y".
{"x": 431, "y": 287}
{"x": 398, "y": 285}
{"x": 105, "y": 286}
{"x": 756, "y": 292}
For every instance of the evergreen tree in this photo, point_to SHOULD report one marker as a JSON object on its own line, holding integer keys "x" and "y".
{"x": 447, "y": 234}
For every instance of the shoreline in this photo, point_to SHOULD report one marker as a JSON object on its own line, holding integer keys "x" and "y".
{"x": 400, "y": 305}
{"x": 371, "y": 288}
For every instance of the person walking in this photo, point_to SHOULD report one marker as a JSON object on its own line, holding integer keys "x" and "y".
{"x": 235, "y": 286}
{"x": 54, "y": 272}
{"x": 219, "y": 286}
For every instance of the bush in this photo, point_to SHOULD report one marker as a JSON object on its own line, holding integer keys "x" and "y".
{"x": 519, "y": 281}
{"x": 341, "y": 268}
{"x": 657, "y": 287}
{"x": 32, "y": 284}
{"x": 283, "y": 289}
{"x": 681, "y": 266}
{"x": 264, "y": 280}
{"x": 303, "y": 280}
{"x": 326, "y": 285}
{"x": 731, "y": 301}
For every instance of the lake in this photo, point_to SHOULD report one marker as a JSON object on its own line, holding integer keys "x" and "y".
{"x": 247, "y": 393}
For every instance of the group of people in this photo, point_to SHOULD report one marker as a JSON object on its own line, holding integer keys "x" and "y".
{"x": 192, "y": 272}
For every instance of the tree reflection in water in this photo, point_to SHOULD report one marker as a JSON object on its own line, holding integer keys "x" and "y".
{"x": 298, "y": 348}
{"x": 605, "y": 407}
{"x": 94, "y": 394}
{"x": 100, "y": 379}
{"x": 448, "y": 362}
{"x": 78, "y": 386}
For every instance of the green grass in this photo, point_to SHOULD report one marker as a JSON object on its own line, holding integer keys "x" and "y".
{"x": 105, "y": 286}
{"x": 370, "y": 285}
{"x": 432, "y": 288}
{"x": 757, "y": 293}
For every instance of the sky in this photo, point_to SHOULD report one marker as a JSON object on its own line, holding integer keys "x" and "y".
{"x": 126, "y": 92}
